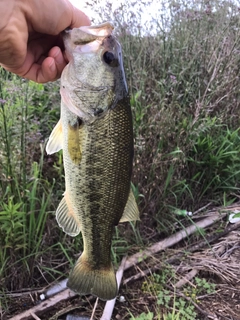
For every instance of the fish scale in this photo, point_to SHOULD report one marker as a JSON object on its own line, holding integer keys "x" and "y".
{"x": 111, "y": 155}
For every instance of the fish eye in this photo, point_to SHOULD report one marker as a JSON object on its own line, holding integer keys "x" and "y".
{"x": 110, "y": 59}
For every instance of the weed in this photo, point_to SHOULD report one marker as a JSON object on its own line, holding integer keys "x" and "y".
{"x": 203, "y": 286}
{"x": 26, "y": 197}
{"x": 155, "y": 283}
{"x": 143, "y": 316}
{"x": 180, "y": 308}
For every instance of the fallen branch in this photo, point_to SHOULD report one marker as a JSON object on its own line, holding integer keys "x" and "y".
{"x": 170, "y": 241}
{"x": 130, "y": 261}
{"x": 178, "y": 256}
{"x": 186, "y": 279}
{"x": 34, "y": 316}
{"x": 45, "y": 305}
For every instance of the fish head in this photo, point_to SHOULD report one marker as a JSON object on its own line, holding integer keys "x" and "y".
{"x": 94, "y": 80}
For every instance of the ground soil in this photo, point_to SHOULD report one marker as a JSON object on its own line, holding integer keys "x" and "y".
{"x": 223, "y": 305}
{"x": 219, "y": 264}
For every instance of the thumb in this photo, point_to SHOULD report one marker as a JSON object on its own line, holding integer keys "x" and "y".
{"x": 79, "y": 18}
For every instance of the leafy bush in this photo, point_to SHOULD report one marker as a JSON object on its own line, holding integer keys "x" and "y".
{"x": 26, "y": 197}
{"x": 184, "y": 83}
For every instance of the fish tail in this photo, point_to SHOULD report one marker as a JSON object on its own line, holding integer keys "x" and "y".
{"x": 85, "y": 280}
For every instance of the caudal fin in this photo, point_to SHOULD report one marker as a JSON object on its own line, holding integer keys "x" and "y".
{"x": 84, "y": 280}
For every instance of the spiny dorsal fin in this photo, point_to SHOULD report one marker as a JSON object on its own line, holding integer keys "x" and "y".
{"x": 55, "y": 141}
{"x": 66, "y": 217}
{"x": 131, "y": 212}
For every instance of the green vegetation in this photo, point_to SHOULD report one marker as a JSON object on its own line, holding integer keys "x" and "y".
{"x": 144, "y": 316}
{"x": 169, "y": 305}
{"x": 185, "y": 94}
{"x": 185, "y": 97}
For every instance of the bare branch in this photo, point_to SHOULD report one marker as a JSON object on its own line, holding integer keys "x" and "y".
{"x": 45, "y": 305}
{"x": 189, "y": 276}
{"x": 126, "y": 264}
{"x": 175, "y": 238}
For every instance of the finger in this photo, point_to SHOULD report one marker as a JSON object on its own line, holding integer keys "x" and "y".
{"x": 43, "y": 73}
{"x": 41, "y": 69}
{"x": 50, "y": 68}
{"x": 57, "y": 55}
{"x": 59, "y": 61}
{"x": 79, "y": 19}
{"x": 65, "y": 15}
{"x": 48, "y": 71}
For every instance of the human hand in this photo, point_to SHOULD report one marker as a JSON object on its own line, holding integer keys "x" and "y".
{"x": 30, "y": 42}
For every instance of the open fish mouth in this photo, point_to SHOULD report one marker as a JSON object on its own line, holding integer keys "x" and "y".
{"x": 102, "y": 30}
{"x": 88, "y": 38}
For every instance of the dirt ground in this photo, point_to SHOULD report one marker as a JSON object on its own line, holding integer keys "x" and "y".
{"x": 223, "y": 305}
{"x": 218, "y": 264}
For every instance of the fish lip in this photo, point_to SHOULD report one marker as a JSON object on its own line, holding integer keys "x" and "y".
{"x": 102, "y": 30}
{"x": 87, "y": 34}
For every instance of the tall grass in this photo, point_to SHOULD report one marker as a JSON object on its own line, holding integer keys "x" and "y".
{"x": 184, "y": 83}
{"x": 27, "y": 200}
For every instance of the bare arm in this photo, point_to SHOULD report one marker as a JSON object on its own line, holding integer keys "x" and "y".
{"x": 30, "y": 41}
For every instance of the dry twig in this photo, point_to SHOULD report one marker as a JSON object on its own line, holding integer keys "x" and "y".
{"x": 34, "y": 316}
{"x": 142, "y": 274}
{"x": 130, "y": 261}
{"x": 94, "y": 309}
{"x": 45, "y": 305}
{"x": 175, "y": 238}
{"x": 187, "y": 277}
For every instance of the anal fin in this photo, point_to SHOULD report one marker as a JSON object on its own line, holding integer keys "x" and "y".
{"x": 131, "y": 212}
{"x": 67, "y": 218}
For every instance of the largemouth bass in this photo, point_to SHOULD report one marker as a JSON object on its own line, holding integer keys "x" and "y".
{"x": 96, "y": 135}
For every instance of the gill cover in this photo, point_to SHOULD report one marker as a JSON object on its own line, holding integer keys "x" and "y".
{"x": 92, "y": 52}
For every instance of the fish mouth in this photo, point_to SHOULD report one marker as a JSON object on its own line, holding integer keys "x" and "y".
{"x": 102, "y": 30}
{"x": 86, "y": 34}
{"x": 86, "y": 38}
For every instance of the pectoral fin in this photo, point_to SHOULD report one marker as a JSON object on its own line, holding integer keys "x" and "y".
{"x": 55, "y": 141}
{"x": 131, "y": 212}
{"x": 67, "y": 218}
